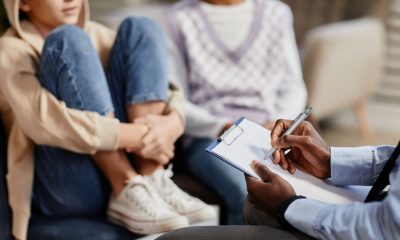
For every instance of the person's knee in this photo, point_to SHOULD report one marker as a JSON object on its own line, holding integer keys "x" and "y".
{"x": 141, "y": 29}
{"x": 70, "y": 68}
{"x": 180, "y": 234}
{"x": 255, "y": 216}
{"x": 251, "y": 214}
{"x": 67, "y": 36}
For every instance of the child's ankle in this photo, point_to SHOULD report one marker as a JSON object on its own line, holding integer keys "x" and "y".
{"x": 117, "y": 187}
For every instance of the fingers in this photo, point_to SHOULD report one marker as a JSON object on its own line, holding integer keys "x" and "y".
{"x": 269, "y": 125}
{"x": 291, "y": 167}
{"x": 253, "y": 184}
{"x": 149, "y": 138}
{"x": 154, "y": 146}
{"x": 288, "y": 141}
{"x": 283, "y": 162}
{"x": 276, "y": 157}
{"x": 262, "y": 170}
{"x": 167, "y": 151}
{"x": 280, "y": 127}
{"x": 134, "y": 149}
{"x": 143, "y": 121}
{"x": 255, "y": 188}
{"x": 154, "y": 151}
{"x": 162, "y": 159}
{"x": 150, "y": 149}
{"x": 249, "y": 180}
{"x": 250, "y": 183}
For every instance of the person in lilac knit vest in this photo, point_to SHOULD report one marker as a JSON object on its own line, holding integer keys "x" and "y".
{"x": 233, "y": 58}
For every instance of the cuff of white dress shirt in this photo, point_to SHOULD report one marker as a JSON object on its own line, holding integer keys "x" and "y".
{"x": 280, "y": 214}
{"x": 302, "y": 213}
{"x": 351, "y": 165}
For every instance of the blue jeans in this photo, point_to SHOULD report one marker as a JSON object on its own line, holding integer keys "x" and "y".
{"x": 227, "y": 181}
{"x": 68, "y": 183}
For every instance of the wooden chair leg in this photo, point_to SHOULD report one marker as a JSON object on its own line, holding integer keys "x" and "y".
{"x": 363, "y": 121}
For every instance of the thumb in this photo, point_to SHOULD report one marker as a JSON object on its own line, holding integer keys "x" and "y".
{"x": 262, "y": 170}
{"x": 288, "y": 141}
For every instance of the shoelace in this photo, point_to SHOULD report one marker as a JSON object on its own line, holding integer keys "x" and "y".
{"x": 149, "y": 201}
{"x": 167, "y": 179}
{"x": 173, "y": 194}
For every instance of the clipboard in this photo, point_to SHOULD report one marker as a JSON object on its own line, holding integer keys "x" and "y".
{"x": 246, "y": 141}
{"x": 228, "y": 138}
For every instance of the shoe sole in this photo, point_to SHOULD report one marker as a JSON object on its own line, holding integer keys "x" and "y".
{"x": 201, "y": 215}
{"x": 146, "y": 227}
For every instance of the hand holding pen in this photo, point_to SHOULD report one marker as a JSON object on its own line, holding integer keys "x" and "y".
{"x": 307, "y": 149}
{"x": 283, "y": 129}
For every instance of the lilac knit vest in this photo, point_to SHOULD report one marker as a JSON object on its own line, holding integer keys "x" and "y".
{"x": 232, "y": 83}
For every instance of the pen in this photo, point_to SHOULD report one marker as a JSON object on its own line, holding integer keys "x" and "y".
{"x": 296, "y": 122}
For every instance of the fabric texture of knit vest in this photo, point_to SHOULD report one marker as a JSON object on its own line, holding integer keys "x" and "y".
{"x": 245, "y": 78}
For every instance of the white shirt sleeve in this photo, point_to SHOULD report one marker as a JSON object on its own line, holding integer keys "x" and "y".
{"x": 374, "y": 220}
{"x": 358, "y": 165}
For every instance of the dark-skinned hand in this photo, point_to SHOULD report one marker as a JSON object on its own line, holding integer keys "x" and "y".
{"x": 269, "y": 193}
{"x": 307, "y": 149}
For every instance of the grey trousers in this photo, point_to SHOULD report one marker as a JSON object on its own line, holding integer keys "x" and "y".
{"x": 262, "y": 227}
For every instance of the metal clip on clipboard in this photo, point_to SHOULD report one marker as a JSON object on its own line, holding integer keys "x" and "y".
{"x": 231, "y": 135}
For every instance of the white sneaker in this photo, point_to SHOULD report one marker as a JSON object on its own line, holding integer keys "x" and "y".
{"x": 192, "y": 208}
{"x": 141, "y": 210}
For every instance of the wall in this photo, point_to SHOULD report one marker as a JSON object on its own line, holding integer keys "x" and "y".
{"x": 390, "y": 88}
{"x": 311, "y": 13}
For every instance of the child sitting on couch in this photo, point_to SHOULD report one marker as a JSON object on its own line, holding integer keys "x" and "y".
{"x": 73, "y": 96}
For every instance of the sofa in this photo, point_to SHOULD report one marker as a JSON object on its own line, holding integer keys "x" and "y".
{"x": 339, "y": 61}
{"x": 5, "y": 214}
{"x": 89, "y": 228}
{"x": 93, "y": 227}
{"x": 99, "y": 227}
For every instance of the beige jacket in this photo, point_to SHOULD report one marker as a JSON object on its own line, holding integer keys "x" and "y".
{"x": 32, "y": 115}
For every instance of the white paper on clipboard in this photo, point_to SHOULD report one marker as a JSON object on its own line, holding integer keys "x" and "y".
{"x": 247, "y": 141}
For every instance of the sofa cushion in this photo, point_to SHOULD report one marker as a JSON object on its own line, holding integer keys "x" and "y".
{"x": 76, "y": 228}
{"x": 5, "y": 214}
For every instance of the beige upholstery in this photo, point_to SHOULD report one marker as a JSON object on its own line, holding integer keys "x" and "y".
{"x": 311, "y": 13}
{"x": 342, "y": 66}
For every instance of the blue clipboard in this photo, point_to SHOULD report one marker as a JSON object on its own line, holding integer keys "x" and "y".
{"x": 228, "y": 137}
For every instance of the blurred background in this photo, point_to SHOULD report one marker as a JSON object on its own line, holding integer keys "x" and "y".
{"x": 350, "y": 51}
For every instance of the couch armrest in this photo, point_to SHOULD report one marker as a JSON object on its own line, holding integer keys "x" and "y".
{"x": 343, "y": 63}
